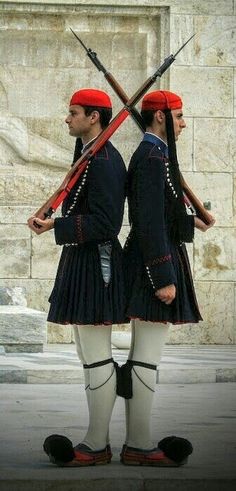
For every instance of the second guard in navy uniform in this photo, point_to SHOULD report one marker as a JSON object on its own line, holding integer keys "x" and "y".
{"x": 159, "y": 283}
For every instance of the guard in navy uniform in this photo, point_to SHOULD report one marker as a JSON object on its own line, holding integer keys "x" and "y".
{"x": 89, "y": 288}
{"x": 159, "y": 283}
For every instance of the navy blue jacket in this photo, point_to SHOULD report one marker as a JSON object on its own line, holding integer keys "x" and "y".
{"x": 94, "y": 213}
{"x": 149, "y": 196}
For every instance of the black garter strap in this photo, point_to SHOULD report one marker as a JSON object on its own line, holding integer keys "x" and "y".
{"x": 142, "y": 364}
{"x": 124, "y": 386}
{"x": 99, "y": 363}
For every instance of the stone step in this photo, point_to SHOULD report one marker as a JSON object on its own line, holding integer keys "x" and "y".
{"x": 59, "y": 364}
{"x": 22, "y": 329}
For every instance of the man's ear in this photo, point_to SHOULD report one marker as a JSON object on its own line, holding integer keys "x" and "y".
{"x": 94, "y": 116}
{"x": 160, "y": 116}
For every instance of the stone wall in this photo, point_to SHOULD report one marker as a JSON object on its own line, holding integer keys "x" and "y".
{"x": 41, "y": 64}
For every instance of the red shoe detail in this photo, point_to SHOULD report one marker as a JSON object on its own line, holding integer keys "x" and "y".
{"x": 154, "y": 457}
{"x": 84, "y": 456}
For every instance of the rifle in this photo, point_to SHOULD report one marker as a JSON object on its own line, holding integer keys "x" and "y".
{"x": 191, "y": 199}
{"x": 51, "y": 205}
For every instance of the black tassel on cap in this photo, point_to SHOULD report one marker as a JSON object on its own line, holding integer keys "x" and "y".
{"x": 177, "y": 210}
{"x": 78, "y": 149}
{"x": 174, "y": 165}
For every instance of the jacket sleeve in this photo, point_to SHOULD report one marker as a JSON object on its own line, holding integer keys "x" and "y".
{"x": 150, "y": 220}
{"x": 105, "y": 205}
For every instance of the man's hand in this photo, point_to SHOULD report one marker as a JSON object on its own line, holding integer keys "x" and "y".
{"x": 40, "y": 226}
{"x": 166, "y": 294}
{"x": 200, "y": 225}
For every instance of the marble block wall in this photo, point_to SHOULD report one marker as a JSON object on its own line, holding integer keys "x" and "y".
{"x": 41, "y": 64}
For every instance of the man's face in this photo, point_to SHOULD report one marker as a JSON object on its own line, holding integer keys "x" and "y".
{"x": 178, "y": 122}
{"x": 78, "y": 123}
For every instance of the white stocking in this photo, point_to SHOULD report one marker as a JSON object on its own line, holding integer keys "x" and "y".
{"x": 80, "y": 355}
{"x": 148, "y": 340}
{"x": 94, "y": 346}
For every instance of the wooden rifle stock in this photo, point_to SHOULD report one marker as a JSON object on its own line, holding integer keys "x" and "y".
{"x": 190, "y": 197}
{"x": 73, "y": 175}
{"x": 51, "y": 205}
{"x": 192, "y": 201}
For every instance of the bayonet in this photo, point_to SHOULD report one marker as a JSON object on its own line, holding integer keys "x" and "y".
{"x": 80, "y": 165}
{"x": 116, "y": 86}
{"x": 190, "y": 196}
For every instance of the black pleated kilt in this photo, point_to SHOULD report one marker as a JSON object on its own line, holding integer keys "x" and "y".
{"x": 80, "y": 296}
{"x": 141, "y": 302}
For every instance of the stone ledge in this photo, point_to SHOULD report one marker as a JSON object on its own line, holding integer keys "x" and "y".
{"x": 226, "y": 375}
{"x": 13, "y": 376}
{"x": 200, "y": 7}
{"x": 23, "y": 348}
{"x": 22, "y": 329}
{"x": 67, "y": 376}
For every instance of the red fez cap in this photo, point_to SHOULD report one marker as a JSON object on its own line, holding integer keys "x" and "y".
{"x": 90, "y": 97}
{"x": 161, "y": 99}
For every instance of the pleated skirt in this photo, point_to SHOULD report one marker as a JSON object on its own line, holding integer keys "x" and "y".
{"x": 80, "y": 296}
{"x": 141, "y": 303}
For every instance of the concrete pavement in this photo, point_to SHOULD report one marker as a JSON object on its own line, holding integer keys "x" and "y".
{"x": 203, "y": 413}
{"x": 188, "y": 403}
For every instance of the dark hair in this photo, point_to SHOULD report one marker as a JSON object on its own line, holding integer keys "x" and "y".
{"x": 104, "y": 112}
{"x": 148, "y": 115}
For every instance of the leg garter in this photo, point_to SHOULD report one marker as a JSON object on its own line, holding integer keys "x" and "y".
{"x": 99, "y": 364}
{"x": 124, "y": 377}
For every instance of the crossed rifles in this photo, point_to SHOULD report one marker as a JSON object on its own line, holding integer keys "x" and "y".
{"x": 51, "y": 205}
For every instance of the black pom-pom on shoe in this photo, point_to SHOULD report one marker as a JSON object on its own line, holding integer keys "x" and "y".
{"x": 176, "y": 448}
{"x": 59, "y": 449}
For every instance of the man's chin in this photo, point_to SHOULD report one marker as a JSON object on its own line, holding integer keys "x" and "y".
{"x": 72, "y": 133}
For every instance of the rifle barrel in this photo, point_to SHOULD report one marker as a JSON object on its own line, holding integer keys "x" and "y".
{"x": 72, "y": 176}
{"x": 201, "y": 211}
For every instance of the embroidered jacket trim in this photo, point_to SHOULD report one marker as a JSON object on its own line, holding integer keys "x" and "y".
{"x": 159, "y": 260}
{"x": 80, "y": 236}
